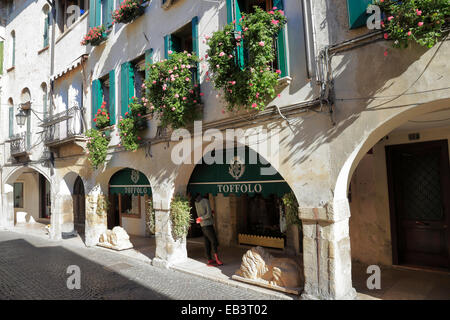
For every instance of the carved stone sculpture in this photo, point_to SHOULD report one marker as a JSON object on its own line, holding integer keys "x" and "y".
{"x": 116, "y": 239}
{"x": 259, "y": 265}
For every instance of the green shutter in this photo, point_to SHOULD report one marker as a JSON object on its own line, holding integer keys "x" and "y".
{"x": 98, "y": 12}
{"x": 357, "y": 15}
{"x": 97, "y": 97}
{"x": 126, "y": 86}
{"x": 148, "y": 60}
{"x": 281, "y": 45}
{"x": 112, "y": 97}
{"x": 11, "y": 121}
{"x": 110, "y": 11}
{"x": 166, "y": 46}
{"x": 240, "y": 54}
{"x": 195, "y": 46}
{"x": 92, "y": 13}
{"x": 1, "y": 56}
{"x": 46, "y": 30}
{"x": 229, "y": 11}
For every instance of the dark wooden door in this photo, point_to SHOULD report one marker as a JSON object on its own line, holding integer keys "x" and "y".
{"x": 79, "y": 205}
{"x": 419, "y": 190}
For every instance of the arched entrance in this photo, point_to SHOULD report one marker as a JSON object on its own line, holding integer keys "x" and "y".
{"x": 79, "y": 202}
{"x": 129, "y": 196}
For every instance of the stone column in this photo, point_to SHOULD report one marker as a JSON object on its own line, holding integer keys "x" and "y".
{"x": 7, "y": 214}
{"x": 96, "y": 216}
{"x": 62, "y": 215}
{"x": 326, "y": 254}
{"x": 168, "y": 250}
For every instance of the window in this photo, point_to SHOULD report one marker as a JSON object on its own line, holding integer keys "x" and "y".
{"x": 357, "y": 15}
{"x": 44, "y": 100}
{"x": 18, "y": 194}
{"x": 100, "y": 13}
{"x": 131, "y": 78}
{"x": 69, "y": 12}
{"x": 46, "y": 13}
{"x": 1, "y": 56}
{"x": 103, "y": 89}
{"x": 13, "y": 48}
{"x": 11, "y": 117}
{"x": 235, "y": 9}
{"x": 130, "y": 205}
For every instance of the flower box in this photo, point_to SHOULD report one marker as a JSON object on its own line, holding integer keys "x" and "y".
{"x": 128, "y": 11}
{"x": 95, "y": 36}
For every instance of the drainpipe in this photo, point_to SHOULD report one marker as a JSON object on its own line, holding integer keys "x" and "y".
{"x": 309, "y": 36}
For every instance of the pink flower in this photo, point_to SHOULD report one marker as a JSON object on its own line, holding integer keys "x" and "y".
{"x": 278, "y": 71}
{"x": 418, "y": 12}
{"x": 177, "y": 95}
{"x": 420, "y": 24}
{"x": 187, "y": 79}
{"x": 221, "y": 54}
{"x": 409, "y": 33}
{"x": 261, "y": 43}
{"x": 254, "y": 105}
{"x": 184, "y": 98}
{"x": 154, "y": 82}
{"x": 173, "y": 108}
{"x": 275, "y": 22}
{"x": 201, "y": 94}
{"x": 390, "y": 18}
{"x": 271, "y": 12}
{"x": 170, "y": 51}
{"x": 386, "y": 36}
{"x": 385, "y": 53}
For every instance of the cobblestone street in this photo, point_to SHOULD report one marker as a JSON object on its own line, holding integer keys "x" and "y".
{"x": 36, "y": 268}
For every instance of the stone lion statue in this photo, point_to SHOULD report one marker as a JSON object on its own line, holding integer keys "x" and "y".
{"x": 257, "y": 264}
{"x": 117, "y": 238}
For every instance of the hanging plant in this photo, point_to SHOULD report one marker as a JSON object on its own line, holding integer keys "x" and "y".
{"x": 291, "y": 205}
{"x": 239, "y": 59}
{"x": 133, "y": 122}
{"x": 180, "y": 215}
{"x": 102, "y": 205}
{"x": 102, "y": 117}
{"x": 128, "y": 11}
{"x": 95, "y": 36}
{"x": 420, "y": 21}
{"x": 171, "y": 89}
{"x": 97, "y": 145}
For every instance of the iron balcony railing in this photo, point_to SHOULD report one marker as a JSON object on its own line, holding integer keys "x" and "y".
{"x": 63, "y": 125}
{"x": 19, "y": 143}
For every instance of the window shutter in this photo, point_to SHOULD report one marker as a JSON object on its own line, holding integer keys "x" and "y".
{"x": 92, "y": 13}
{"x": 148, "y": 60}
{"x": 166, "y": 46}
{"x": 357, "y": 16}
{"x": 230, "y": 11}
{"x": 46, "y": 30}
{"x": 109, "y": 11}
{"x": 1, "y": 56}
{"x": 97, "y": 98}
{"x": 195, "y": 46}
{"x": 11, "y": 121}
{"x": 281, "y": 44}
{"x": 28, "y": 139}
{"x": 112, "y": 97}
{"x": 240, "y": 51}
{"x": 126, "y": 86}
{"x": 98, "y": 12}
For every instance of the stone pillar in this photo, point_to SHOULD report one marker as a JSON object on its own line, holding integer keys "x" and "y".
{"x": 96, "y": 217}
{"x": 62, "y": 215}
{"x": 326, "y": 255}
{"x": 7, "y": 214}
{"x": 168, "y": 250}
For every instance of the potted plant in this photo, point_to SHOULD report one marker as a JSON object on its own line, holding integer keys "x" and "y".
{"x": 128, "y": 11}
{"x": 180, "y": 217}
{"x": 95, "y": 36}
{"x": 134, "y": 122}
{"x": 97, "y": 145}
{"x": 102, "y": 117}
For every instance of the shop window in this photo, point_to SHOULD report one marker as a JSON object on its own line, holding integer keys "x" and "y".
{"x": 237, "y": 8}
{"x": 18, "y": 194}
{"x": 130, "y": 205}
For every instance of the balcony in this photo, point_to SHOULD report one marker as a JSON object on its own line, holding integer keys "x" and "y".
{"x": 64, "y": 128}
{"x": 19, "y": 144}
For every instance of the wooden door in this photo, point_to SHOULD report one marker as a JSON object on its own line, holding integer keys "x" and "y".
{"x": 419, "y": 191}
{"x": 79, "y": 204}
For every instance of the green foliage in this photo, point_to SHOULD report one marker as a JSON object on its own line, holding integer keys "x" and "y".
{"x": 291, "y": 205}
{"x": 127, "y": 11}
{"x": 417, "y": 20}
{"x": 171, "y": 90}
{"x": 102, "y": 117}
{"x": 102, "y": 205}
{"x": 150, "y": 217}
{"x": 97, "y": 145}
{"x": 134, "y": 122}
{"x": 180, "y": 215}
{"x": 252, "y": 84}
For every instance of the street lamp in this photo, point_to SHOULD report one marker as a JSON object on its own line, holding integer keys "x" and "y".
{"x": 21, "y": 117}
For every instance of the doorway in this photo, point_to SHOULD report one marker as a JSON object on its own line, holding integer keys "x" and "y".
{"x": 79, "y": 212}
{"x": 45, "y": 198}
{"x": 419, "y": 189}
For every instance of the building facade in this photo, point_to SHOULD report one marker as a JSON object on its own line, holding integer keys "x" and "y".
{"x": 345, "y": 119}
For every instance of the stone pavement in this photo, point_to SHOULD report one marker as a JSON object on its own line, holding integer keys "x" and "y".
{"x": 36, "y": 268}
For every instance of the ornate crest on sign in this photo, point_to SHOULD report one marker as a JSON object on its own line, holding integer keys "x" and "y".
{"x": 134, "y": 176}
{"x": 237, "y": 168}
